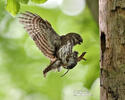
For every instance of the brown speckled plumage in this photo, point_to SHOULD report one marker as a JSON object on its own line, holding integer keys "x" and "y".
{"x": 57, "y": 48}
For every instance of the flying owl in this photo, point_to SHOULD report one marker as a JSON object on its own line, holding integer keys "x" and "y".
{"x": 57, "y": 48}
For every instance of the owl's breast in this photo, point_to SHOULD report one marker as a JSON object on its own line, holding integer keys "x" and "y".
{"x": 64, "y": 51}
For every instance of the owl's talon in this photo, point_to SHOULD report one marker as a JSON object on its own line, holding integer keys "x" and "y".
{"x": 44, "y": 74}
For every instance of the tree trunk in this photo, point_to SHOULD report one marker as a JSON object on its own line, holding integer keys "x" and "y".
{"x": 112, "y": 36}
{"x": 93, "y": 6}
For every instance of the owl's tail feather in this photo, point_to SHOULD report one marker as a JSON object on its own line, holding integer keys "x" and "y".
{"x": 53, "y": 65}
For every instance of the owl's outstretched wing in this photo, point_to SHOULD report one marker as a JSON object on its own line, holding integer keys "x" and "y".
{"x": 41, "y": 32}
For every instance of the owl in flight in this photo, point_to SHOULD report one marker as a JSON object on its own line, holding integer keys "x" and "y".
{"x": 57, "y": 48}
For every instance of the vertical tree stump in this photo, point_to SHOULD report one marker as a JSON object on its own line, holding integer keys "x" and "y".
{"x": 112, "y": 37}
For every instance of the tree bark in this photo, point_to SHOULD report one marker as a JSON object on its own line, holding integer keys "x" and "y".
{"x": 112, "y": 36}
{"x": 93, "y": 6}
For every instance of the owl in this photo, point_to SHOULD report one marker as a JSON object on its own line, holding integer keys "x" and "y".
{"x": 57, "y": 48}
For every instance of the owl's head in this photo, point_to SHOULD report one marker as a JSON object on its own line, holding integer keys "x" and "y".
{"x": 76, "y": 38}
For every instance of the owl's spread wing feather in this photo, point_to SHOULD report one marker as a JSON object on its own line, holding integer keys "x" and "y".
{"x": 41, "y": 32}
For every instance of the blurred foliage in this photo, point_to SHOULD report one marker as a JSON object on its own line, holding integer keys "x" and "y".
{"x": 38, "y": 1}
{"x": 13, "y": 6}
{"x": 21, "y": 63}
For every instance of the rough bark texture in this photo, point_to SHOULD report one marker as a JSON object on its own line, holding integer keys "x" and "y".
{"x": 112, "y": 36}
{"x": 93, "y": 6}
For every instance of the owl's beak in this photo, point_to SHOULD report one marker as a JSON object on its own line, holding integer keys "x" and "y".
{"x": 80, "y": 41}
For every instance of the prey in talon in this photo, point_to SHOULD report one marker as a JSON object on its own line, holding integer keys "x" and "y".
{"x": 57, "y": 48}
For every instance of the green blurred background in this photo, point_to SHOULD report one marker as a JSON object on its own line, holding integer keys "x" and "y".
{"x": 22, "y": 63}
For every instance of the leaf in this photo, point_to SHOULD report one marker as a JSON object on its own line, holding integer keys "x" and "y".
{"x": 38, "y": 1}
{"x": 12, "y": 7}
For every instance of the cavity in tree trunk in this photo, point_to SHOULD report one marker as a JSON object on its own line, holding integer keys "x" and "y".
{"x": 112, "y": 36}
